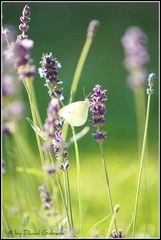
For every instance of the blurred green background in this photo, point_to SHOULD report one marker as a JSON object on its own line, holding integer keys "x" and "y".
{"x": 61, "y": 28}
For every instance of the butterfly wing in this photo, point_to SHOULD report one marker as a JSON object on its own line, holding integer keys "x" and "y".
{"x": 75, "y": 113}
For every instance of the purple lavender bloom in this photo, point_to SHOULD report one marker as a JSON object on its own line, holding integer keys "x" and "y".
{"x": 50, "y": 169}
{"x": 8, "y": 128}
{"x": 60, "y": 148}
{"x": 18, "y": 53}
{"x": 100, "y": 136}
{"x": 98, "y": 107}
{"x": 64, "y": 166}
{"x": 9, "y": 87}
{"x": 134, "y": 42}
{"x": 25, "y": 19}
{"x": 120, "y": 233}
{"x": 14, "y": 111}
{"x": 49, "y": 71}
{"x": 52, "y": 122}
{"x": 46, "y": 199}
{"x": 115, "y": 235}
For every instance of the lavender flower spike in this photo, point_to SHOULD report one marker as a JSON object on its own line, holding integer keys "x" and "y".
{"x": 25, "y": 19}
{"x": 134, "y": 43}
{"x": 49, "y": 71}
{"x": 60, "y": 147}
{"x": 98, "y": 109}
{"x": 52, "y": 122}
{"x": 18, "y": 52}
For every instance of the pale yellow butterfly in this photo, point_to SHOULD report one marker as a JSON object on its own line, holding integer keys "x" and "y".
{"x": 75, "y": 113}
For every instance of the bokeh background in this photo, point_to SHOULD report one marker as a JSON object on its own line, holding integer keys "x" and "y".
{"x": 61, "y": 28}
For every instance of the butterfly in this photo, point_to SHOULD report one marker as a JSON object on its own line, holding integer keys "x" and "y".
{"x": 76, "y": 113}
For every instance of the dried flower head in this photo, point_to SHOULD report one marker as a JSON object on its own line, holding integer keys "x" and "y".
{"x": 93, "y": 25}
{"x": 49, "y": 71}
{"x": 151, "y": 79}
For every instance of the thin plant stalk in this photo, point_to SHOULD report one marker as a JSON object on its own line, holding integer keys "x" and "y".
{"x": 112, "y": 220}
{"x": 27, "y": 87}
{"x": 69, "y": 197}
{"x": 140, "y": 110}
{"x": 141, "y": 165}
{"x": 77, "y": 74}
{"x": 63, "y": 198}
{"x": 108, "y": 185}
{"x": 79, "y": 184}
{"x": 80, "y": 66}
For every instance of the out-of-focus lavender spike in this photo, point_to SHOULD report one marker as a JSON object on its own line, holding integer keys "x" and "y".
{"x": 18, "y": 53}
{"x": 134, "y": 43}
{"x": 8, "y": 128}
{"x": 14, "y": 111}
{"x": 46, "y": 199}
{"x": 51, "y": 169}
{"x": 9, "y": 87}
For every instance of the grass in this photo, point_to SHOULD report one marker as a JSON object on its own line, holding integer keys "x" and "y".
{"x": 94, "y": 206}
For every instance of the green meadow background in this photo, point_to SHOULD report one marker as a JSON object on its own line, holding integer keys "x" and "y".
{"x": 61, "y": 28}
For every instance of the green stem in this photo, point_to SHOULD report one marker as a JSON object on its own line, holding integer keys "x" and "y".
{"x": 140, "y": 108}
{"x": 77, "y": 74}
{"x": 80, "y": 66}
{"x": 79, "y": 183}
{"x": 28, "y": 89}
{"x": 66, "y": 198}
{"x": 108, "y": 185}
{"x": 69, "y": 197}
{"x": 111, "y": 223}
{"x": 141, "y": 165}
{"x": 63, "y": 198}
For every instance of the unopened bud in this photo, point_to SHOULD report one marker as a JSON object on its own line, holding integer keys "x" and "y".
{"x": 92, "y": 28}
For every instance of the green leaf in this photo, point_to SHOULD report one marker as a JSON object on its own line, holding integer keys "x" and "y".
{"x": 99, "y": 222}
